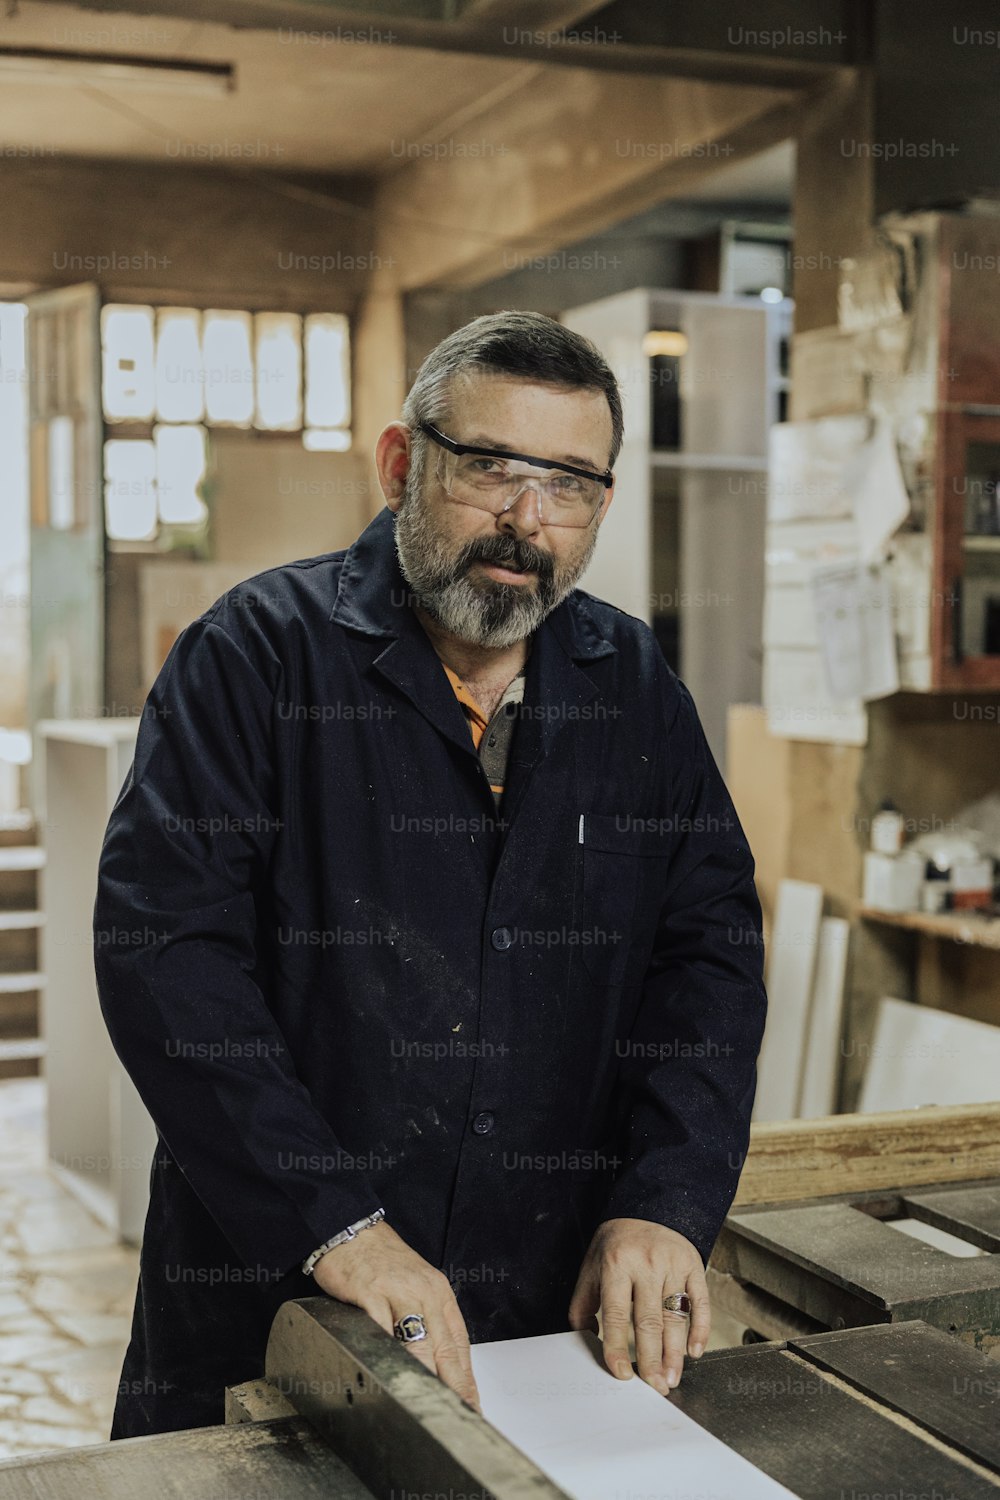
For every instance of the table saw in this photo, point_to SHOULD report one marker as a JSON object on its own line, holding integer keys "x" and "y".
{"x": 346, "y": 1413}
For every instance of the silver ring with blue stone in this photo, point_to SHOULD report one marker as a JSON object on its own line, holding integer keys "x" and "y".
{"x": 410, "y": 1329}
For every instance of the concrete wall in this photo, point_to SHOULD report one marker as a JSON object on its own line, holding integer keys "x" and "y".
{"x": 273, "y": 503}
{"x": 216, "y": 238}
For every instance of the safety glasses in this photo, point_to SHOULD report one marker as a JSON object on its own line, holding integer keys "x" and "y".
{"x": 492, "y": 479}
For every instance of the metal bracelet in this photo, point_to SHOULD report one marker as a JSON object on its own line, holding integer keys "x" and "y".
{"x": 342, "y": 1238}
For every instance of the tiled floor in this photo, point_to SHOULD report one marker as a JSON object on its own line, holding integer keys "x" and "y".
{"x": 66, "y": 1293}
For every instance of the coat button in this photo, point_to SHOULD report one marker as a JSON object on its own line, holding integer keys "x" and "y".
{"x": 502, "y": 938}
{"x": 483, "y": 1123}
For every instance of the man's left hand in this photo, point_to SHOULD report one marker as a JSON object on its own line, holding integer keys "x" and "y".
{"x": 630, "y": 1267}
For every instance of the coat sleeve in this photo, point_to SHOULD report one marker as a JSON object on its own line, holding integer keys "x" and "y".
{"x": 186, "y": 847}
{"x": 689, "y": 1070}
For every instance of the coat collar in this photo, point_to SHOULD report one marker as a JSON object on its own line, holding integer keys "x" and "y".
{"x": 374, "y": 597}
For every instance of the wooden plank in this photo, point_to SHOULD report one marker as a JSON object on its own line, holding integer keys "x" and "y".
{"x": 942, "y": 1384}
{"x": 845, "y": 1268}
{"x": 256, "y": 1401}
{"x": 790, "y": 1159}
{"x": 284, "y": 1458}
{"x": 770, "y": 1274}
{"x": 857, "y": 1252}
{"x": 973, "y": 1213}
{"x": 766, "y": 1315}
{"x": 791, "y": 955}
{"x": 816, "y": 1436}
{"x": 821, "y": 1067}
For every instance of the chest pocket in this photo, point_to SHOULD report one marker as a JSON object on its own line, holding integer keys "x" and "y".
{"x": 621, "y": 855}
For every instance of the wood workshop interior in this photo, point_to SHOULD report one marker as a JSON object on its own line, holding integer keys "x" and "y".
{"x": 232, "y": 232}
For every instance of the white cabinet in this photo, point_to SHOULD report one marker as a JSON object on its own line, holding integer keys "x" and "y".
{"x": 682, "y": 546}
{"x": 101, "y": 1139}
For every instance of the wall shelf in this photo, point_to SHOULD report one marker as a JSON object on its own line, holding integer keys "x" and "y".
{"x": 979, "y": 931}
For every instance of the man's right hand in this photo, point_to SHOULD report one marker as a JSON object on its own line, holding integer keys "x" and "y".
{"x": 378, "y": 1272}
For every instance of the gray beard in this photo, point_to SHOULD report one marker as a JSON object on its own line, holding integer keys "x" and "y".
{"x": 491, "y": 613}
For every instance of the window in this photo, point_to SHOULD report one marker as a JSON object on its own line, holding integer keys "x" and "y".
{"x": 171, "y": 373}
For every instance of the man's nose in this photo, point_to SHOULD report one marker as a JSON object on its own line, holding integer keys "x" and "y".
{"x": 524, "y": 515}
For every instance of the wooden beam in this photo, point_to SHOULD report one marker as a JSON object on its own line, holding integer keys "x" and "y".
{"x": 831, "y": 226}
{"x": 568, "y": 156}
{"x": 791, "y": 1159}
{"x": 554, "y": 32}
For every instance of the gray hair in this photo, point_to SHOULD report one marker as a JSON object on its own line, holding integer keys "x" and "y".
{"x": 524, "y": 344}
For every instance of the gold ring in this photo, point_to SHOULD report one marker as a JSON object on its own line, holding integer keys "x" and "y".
{"x": 678, "y": 1302}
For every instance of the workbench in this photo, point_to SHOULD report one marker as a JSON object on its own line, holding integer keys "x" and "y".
{"x": 886, "y": 1405}
{"x": 789, "y": 1262}
{"x": 346, "y": 1413}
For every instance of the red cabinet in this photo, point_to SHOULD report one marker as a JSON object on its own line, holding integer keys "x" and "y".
{"x": 966, "y": 593}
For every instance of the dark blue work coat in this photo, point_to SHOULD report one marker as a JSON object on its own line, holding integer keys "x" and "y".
{"x": 339, "y": 984}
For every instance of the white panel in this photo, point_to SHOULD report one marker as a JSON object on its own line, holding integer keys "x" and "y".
{"x": 922, "y": 1056}
{"x": 794, "y": 549}
{"x": 799, "y": 706}
{"x": 130, "y": 489}
{"x": 104, "y": 1153}
{"x": 808, "y": 464}
{"x": 180, "y": 376}
{"x": 601, "y": 1438}
{"x": 790, "y": 619}
{"x": 229, "y": 370}
{"x": 910, "y": 578}
{"x": 62, "y": 480}
{"x": 916, "y": 673}
{"x": 791, "y": 966}
{"x": 66, "y": 585}
{"x": 723, "y": 391}
{"x": 180, "y": 471}
{"x": 128, "y": 380}
{"x": 823, "y": 1040}
{"x": 278, "y": 359}
{"x": 939, "y": 1238}
{"x": 621, "y": 569}
{"x": 328, "y": 370}
{"x": 722, "y": 601}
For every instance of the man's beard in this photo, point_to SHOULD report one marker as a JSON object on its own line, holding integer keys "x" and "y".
{"x": 484, "y": 611}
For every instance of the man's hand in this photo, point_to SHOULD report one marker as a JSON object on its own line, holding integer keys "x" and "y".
{"x": 378, "y": 1272}
{"x": 634, "y": 1264}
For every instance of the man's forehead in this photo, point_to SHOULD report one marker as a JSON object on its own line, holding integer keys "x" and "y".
{"x": 584, "y": 410}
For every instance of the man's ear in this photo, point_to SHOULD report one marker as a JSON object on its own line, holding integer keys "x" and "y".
{"x": 609, "y": 495}
{"x": 392, "y": 462}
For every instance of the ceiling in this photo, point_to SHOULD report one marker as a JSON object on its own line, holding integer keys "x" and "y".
{"x": 305, "y": 99}
{"x": 297, "y": 106}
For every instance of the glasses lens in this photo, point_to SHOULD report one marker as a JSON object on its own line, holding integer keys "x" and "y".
{"x": 494, "y": 484}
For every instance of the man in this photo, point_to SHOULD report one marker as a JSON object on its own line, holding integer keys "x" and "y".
{"x": 457, "y": 938}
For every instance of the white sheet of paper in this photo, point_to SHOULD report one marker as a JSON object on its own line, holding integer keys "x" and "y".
{"x": 807, "y": 467}
{"x": 598, "y": 1437}
{"x": 854, "y": 622}
{"x": 875, "y": 482}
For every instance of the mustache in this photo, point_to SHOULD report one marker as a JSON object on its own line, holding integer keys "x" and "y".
{"x": 509, "y": 552}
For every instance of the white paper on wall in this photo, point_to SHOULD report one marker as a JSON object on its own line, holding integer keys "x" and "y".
{"x": 808, "y": 467}
{"x": 874, "y": 480}
{"x": 853, "y": 605}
